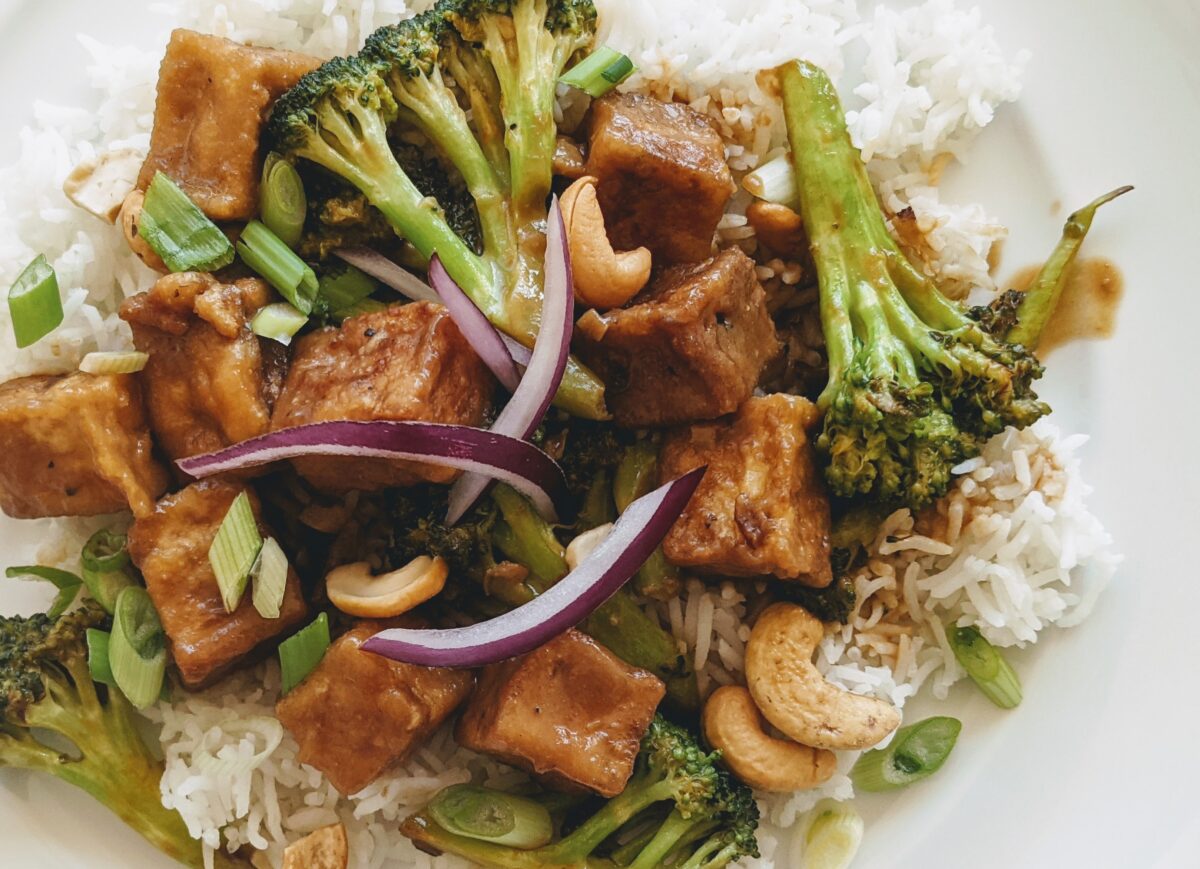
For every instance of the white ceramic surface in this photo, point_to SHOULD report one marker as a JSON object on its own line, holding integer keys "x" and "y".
{"x": 1099, "y": 766}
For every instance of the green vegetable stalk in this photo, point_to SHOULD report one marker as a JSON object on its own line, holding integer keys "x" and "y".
{"x": 915, "y": 752}
{"x": 637, "y": 475}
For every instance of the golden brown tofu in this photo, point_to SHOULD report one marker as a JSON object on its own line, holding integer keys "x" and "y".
{"x": 76, "y": 445}
{"x": 409, "y": 362}
{"x": 213, "y": 98}
{"x": 210, "y": 381}
{"x": 170, "y": 548}
{"x": 663, "y": 179}
{"x": 572, "y": 713}
{"x": 691, "y": 346}
{"x": 761, "y": 507}
{"x": 357, "y": 713}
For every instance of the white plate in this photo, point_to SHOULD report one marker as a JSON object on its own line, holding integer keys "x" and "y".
{"x": 1099, "y": 767}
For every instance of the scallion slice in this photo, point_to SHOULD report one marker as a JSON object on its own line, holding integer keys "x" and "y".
{"x": 270, "y": 579}
{"x": 264, "y": 252}
{"x": 345, "y": 289}
{"x": 98, "y": 643}
{"x": 775, "y": 181}
{"x": 234, "y": 551}
{"x": 67, "y": 583}
{"x": 986, "y": 666}
{"x": 831, "y": 836}
{"x": 137, "y": 649}
{"x": 34, "y": 305}
{"x": 282, "y": 201}
{"x": 599, "y": 72}
{"x": 114, "y": 362}
{"x": 493, "y": 816}
{"x": 300, "y": 653}
{"x": 105, "y": 563}
{"x": 179, "y": 232}
{"x": 279, "y": 322}
{"x": 915, "y": 752}
{"x": 366, "y": 306}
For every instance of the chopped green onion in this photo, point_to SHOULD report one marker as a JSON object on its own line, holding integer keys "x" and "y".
{"x": 137, "y": 649}
{"x": 179, "y": 232}
{"x": 282, "y": 201}
{"x": 279, "y": 322}
{"x": 493, "y": 816}
{"x": 98, "y": 643}
{"x": 346, "y": 293}
{"x": 270, "y": 579}
{"x": 111, "y": 362}
{"x": 34, "y": 305}
{"x": 637, "y": 474}
{"x": 986, "y": 666}
{"x": 775, "y": 181}
{"x": 831, "y": 837}
{"x": 67, "y": 583}
{"x": 915, "y": 752}
{"x": 264, "y": 252}
{"x": 105, "y": 562}
{"x": 366, "y": 306}
{"x": 234, "y": 551}
{"x": 599, "y": 72}
{"x": 300, "y": 653}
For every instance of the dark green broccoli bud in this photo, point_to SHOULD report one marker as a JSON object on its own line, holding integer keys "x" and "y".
{"x": 1000, "y": 316}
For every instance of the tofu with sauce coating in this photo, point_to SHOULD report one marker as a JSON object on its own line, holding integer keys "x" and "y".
{"x": 409, "y": 362}
{"x": 761, "y": 507}
{"x": 358, "y": 713}
{"x": 571, "y": 712}
{"x": 663, "y": 179}
{"x": 170, "y": 548}
{"x": 76, "y": 445}
{"x": 689, "y": 347}
{"x": 210, "y": 382}
{"x": 214, "y": 96}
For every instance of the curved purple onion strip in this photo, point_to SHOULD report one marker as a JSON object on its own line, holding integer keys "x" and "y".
{"x": 475, "y": 326}
{"x": 384, "y": 270}
{"x": 518, "y": 351}
{"x": 547, "y": 364}
{"x": 489, "y": 454}
{"x": 638, "y": 532}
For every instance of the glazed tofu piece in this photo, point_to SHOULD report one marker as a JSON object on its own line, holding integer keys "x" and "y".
{"x": 170, "y": 548}
{"x": 76, "y": 445}
{"x": 213, "y": 98}
{"x": 409, "y": 362}
{"x": 357, "y": 713}
{"x": 689, "y": 347}
{"x": 761, "y": 507}
{"x": 210, "y": 381}
{"x": 663, "y": 179}
{"x": 572, "y": 713}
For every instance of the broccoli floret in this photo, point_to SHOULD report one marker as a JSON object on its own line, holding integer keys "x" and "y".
{"x": 46, "y": 686}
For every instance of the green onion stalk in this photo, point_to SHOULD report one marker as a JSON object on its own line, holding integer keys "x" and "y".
{"x": 915, "y": 753}
{"x": 637, "y": 475}
{"x": 986, "y": 666}
{"x": 34, "y": 304}
{"x": 300, "y": 653}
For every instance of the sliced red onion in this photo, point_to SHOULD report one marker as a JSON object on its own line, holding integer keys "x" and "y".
{"x": 518, "y": 351}
{"x": 489, "y": 454}
{"x": 475, "y": 326}
{"x": 547, "y": 363}
{"x": 637, "y": 533}
{"x": 383, "y": 269}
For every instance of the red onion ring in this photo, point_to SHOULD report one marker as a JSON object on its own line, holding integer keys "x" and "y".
{"x": 475, "y": 326}
{"x": 383, "y": 269}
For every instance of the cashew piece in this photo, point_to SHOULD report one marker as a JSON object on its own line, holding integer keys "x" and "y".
{"x": 777, "y": 227}
{"x": 583, "y": 545}
{"x": 326, "y": 848}
{"x": 354, "y": 591}
{"x": 794, "y": 697}
{"x": 733, "y": 724}
{"x": 131, "y": 212}
{"x": 603, "y": 277}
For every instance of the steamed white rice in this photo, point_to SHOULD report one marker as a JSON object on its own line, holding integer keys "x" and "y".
{"x": 1013, "y": 549}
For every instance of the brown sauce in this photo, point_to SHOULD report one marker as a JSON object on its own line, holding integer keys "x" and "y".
{"x": 1089, "y": 303}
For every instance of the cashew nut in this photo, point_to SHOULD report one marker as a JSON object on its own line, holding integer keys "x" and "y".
{"x": 733, "y": 724}
{"x": 794, "y": 697}
{"x": 354, "y": 591}
{"x": 100, "y": 185}
{"x": 326, "y": 848}
{"x": 583, "y": 545}
{"x": 603, "y": 277}
{"x": 131, "y": 213}
{"x": 777, "y": 227}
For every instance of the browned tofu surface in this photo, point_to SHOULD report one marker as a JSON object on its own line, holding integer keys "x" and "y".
{"x": 357, "y": 713}
{"x": 689, "y": 347}
{"x": 663, "y": 179}
{"x": 761, "y": 507}
{"x": 214, "y": 96}
{"x": 571, "y": 712}
{"x": 409, "y": 362}
{"x": 76, "y": 445}
{"x": 210, "y": 381}
{"x": 170, "y": 548}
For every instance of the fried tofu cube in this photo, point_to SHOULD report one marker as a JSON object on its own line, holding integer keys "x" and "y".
{"x": 409, "y": 362}
{"x": 761, "y": 507}
{"x": 170, "y": 548}
{"x": 210, "y": 382}
{"x": 663, "y": 179}
{"x": 76, "y": 445}
{"x": 571, "y": 712}
{"x": 691, "y": 346}
{"x": 214, "y": 96}
{"x": 358, "y": 713}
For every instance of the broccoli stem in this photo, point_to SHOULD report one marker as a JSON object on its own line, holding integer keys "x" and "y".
{"x": 639, "y": 794}
{"x": 428, "y": 833}
{"x": 669, "y": 835}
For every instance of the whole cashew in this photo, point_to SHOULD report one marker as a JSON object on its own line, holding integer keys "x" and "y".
{"x": 354, "y": 591}
{"x": 603, "y": 277}
{"x": 131, "y": 212}
{"x": 733, "y": 724}
{"x": 778, "y": 227}
{"x": 794, "y": 697}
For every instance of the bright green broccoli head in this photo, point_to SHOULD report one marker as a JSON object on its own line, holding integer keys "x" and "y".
{"x": 38, "y": 651}
{"x": 674, "y": 756}
{"x": 408, "y": 49}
